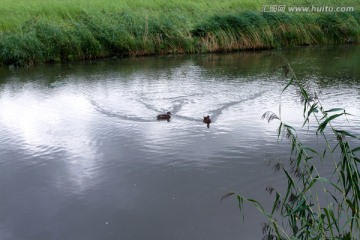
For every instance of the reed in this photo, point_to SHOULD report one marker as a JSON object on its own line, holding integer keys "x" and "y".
{"x": 312, "y": 206}
{"x": 54, "y": 31}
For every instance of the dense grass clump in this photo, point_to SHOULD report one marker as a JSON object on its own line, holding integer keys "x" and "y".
{"x": 340, "y": 28}
{"x": 291, "y": 29}
{"x": 19, "y": 49}
{"x": 246, "y": 30}
{"x": 54, "y": 31}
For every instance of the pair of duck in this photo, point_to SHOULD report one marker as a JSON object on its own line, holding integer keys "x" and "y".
{"x": 167, "y": 117}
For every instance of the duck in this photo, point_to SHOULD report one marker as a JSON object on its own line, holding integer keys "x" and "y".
{"x": 207, "y": 120}
{"x": 166, "y": 116}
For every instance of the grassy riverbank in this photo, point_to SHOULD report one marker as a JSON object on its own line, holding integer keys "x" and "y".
{"x": 53, "y": 31}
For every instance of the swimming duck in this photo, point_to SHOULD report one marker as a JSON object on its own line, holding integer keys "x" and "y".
{"x": 166, "y": 116}
{"x": 207, "y": 120}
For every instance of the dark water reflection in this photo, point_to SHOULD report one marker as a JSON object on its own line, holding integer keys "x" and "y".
{"x": 82, "y": 155}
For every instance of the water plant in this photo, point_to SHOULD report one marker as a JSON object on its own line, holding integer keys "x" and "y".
{"x": 313, "y": 205}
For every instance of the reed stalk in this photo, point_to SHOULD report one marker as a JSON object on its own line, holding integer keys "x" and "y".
{"x": 312, "y": 206}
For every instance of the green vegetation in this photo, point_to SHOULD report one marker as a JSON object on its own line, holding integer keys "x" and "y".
{"x": 312, "y": 206}
{"x": 36, "y": 31}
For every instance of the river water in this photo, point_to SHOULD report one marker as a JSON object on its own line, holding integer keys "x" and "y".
{"x": 82, "y": 155}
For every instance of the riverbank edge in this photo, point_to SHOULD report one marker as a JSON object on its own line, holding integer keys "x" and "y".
{"x": 109, "y": 35}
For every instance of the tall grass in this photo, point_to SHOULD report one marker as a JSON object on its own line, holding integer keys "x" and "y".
{"x": 312, "y": 206}
{"x": 52, "y": 31}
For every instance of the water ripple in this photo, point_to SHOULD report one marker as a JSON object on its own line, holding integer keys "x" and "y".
{"x": 110, "y": 113}
{"x": 86, "y": 135}
{"x": 175, "y": 108}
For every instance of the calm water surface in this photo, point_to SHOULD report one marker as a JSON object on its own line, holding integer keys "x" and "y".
{"x": 82, "y": 155}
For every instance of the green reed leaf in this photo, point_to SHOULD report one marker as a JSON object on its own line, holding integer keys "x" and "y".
{"x": 299, "y": 207}
{"x": 335, "y": 110}
{"x": 313, "y": 109}
{"x": 327, "y": 120}
{"x": 355, "y": 149}
{"x": 345, "y": 133}
{"x": 289, "y": 83}
{"x": 276, "y": 203}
